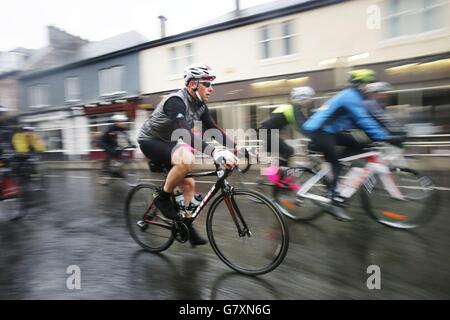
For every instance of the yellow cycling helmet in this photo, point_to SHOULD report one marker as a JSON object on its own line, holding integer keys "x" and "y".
{"x": 362, "y": 76}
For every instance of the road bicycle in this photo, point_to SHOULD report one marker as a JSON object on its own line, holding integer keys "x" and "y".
{"x": 32, "y": 170}
{"x": 394, "y": 195}
{"x": 122, "y": 167}
{"x": 12, "y": 191}
{"x": 248, "y": 236}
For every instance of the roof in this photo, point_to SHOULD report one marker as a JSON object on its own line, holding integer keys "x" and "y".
{"x": 248, "y": 12}
{"x": 248, "y": 16}
{"x": 117, "y": 43}
{"x": 24, "y": 51}
{"x": 50, "y": 58}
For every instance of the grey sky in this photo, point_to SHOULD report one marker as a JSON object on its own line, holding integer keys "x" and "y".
{"x": 22, "y": 22}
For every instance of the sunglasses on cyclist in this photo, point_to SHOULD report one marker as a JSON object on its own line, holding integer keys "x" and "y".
{"x": 206, "y": 84}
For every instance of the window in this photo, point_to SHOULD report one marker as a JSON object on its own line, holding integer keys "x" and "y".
{"x": 97, "y": 125}
{"x": 53, "y": 139}
{"x": 180, "y": 57}
{"x": 409, "y": 17}
{"x": 38, "y": 95}
{"x": 72, "y": 89}
{"x": 276, "y": 40}
{"x": 434, "y": 14}
{"x": 111, "y": 81}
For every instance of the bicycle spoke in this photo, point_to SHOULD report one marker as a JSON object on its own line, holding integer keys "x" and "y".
{"x": 260, "y": 249}
{"x": 417, "y": 207}
{"x": 153, "y": 237}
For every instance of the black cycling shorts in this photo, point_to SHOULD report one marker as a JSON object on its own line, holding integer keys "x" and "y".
{"x": 158, "y": 151}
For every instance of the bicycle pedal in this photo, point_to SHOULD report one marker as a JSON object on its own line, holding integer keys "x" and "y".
{"x": 142, "y": 225}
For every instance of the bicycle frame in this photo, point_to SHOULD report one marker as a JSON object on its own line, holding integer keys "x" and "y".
{"x": 375, "y": 166}
{"x": 221, "y": 184}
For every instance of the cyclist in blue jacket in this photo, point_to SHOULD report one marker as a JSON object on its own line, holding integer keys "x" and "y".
{"x": 328, "y": 125}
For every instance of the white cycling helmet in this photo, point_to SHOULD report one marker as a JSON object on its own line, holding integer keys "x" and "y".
{"x": 198, "y": 71}
{"x": 119, "y": 118}
{"x": 378, "y": 87}
{"x": 28, "y": 128}
{"x": 302, "y": 93}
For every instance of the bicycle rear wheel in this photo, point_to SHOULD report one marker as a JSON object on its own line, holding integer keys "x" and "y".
{"x": 131, "y": 173}
{"x": 295, "y": 208}
{"x": 261, "y": 242}
{"x": 101, "y": 175}
{"x": 145, "y": 222}
{"x": 418, "y": 208}
{"x": 40, "y": 177}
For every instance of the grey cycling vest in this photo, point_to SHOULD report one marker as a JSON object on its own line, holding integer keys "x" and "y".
{"x": 160, "y": 126}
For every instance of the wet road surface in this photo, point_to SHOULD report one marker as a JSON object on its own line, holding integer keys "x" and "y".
{"x": 78, "y": 222}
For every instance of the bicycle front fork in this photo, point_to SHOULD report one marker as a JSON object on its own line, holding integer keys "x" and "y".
{"x": 237, "y": 216}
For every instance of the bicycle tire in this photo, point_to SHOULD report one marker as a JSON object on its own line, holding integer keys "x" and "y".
{"x": 101, "y": 175}
{"x": 13, "y": 207}
{"x": 242, "y": 183}
{"x": 396, "y": 213}
{"x": 131, "y": 174}
{"x": 299, "y": 210}
{"x": 134, "y": 212}
{"x": 253, "y": 218}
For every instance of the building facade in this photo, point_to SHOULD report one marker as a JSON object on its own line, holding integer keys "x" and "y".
{"x": 71, "y": 103}
{"x": 260, "y": 56}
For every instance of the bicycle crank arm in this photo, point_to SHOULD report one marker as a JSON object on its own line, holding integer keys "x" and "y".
{"x": 245, "y": 232}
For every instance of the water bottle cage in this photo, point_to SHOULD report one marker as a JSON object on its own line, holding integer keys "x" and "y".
{"x": 191, "y": 207}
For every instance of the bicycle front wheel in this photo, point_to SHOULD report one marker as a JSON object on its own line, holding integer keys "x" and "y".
{"x": 247, "y": 232}
{"x": 418, "y": 207}
{"x": 295, "y": 208}
{"x": 145, "y": 222}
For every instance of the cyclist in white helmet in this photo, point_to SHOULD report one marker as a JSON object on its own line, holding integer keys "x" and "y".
{"x": 109, "y": 141}
{"x": 294, "y": 113}
{"x": 376, "y": 98}
{"x": 179, "y": 111}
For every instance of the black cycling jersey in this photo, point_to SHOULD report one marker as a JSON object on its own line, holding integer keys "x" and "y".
{"x": 283, "y": 116}
{"x": 181, "y": 111}
{"x": 110, "y": 135}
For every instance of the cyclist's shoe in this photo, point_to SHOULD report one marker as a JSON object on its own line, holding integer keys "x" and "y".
{"x": 336, "y": 210}
{"x": 164, "y": 204}
{"x": 195, "y": 239}
{"x": 338, "y": 200}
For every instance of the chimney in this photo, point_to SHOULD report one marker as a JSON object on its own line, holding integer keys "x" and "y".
{"x": 162, "y": 22}
{"x": 63, "y": 40}
{"x": 237, "y": 7}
